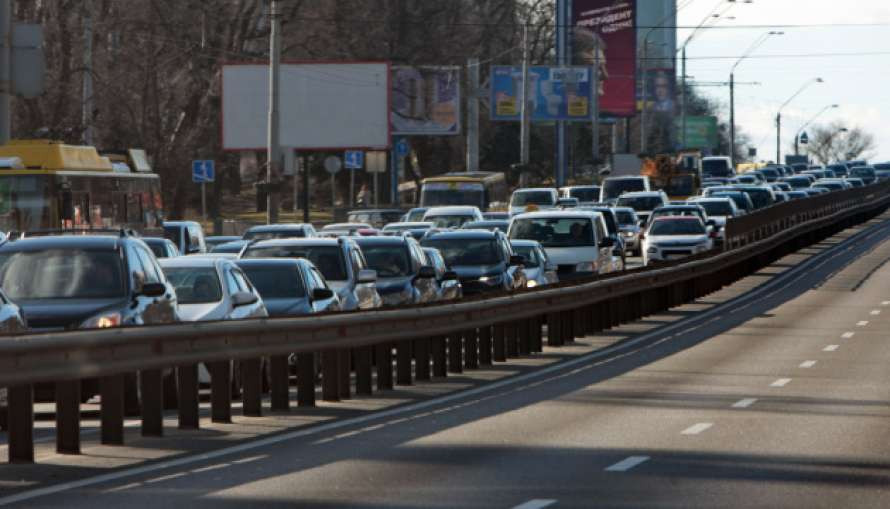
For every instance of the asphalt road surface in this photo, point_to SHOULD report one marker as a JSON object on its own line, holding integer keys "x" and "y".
{"x": 777, "y": 398}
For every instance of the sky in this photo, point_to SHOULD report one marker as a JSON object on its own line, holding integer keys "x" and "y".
{"x": 858, "y": 84}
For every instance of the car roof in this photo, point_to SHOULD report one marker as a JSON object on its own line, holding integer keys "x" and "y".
{"x": 391, "y": 240}
{"x": 679, "y": 206}
{"x": 346, "y": 226}
{"x": 269, "y": 262}
{"x": 567, "y": 214}
{"x": 678, "y": 218}
{"x": 534, "y": 189}
{"x": 721, "y": 199}
{"x": 487, "y": 222}
{"x": 181, "y": 223}
{"x": 451, "y": 209}
{"x": 462, "y": 234}
{"x": 410, "y": 224}
{"x": 156, "y": 240}
{"x": 194, "y": 261}
{"x": 97, "y": 242}
{"x": 524, "y": 243}
{"x": 279, "y": 226}
{"x": 360, "y": 211}
{"x": 640, "y": 194}
{"x": 624, "y": 209}
{"x": 313, "y": 241}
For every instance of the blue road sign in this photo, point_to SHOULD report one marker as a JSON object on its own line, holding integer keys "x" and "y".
{"x": 354, "y": 159}
{"x": 402, "y": 148}
{"x": 203, "y": 171}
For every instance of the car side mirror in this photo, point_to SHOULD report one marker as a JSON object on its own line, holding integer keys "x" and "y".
{"x": 450, "y": 276}
{"x": 322, "y": 294}
{"x": 426, "y": 272}
{"x": 243, "y": 299}
{"x": 607, "y": 242}
{"x": 366, "y": 276}
{"x": 153, "y": 289}
{"x": 517, "y": 260}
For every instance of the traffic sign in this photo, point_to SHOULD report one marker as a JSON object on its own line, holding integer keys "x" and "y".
{"x": 355, "y": 159}
{"x": 402, "y": 148}
{"x": 376, "y": 162}
{"x": 804, "y": 138}
{"x": 203, "y": 171}
{"x": 332, "y": 164}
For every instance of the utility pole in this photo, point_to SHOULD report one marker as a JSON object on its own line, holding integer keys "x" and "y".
{"x": 524, "y": 113}
{"x": 645, "y": 93}
{"x": 473, "y": 115}
{"x": 87, "y": 111}
{"x": 273, "y": 153}
{"x": 683, "y": 101}
{"x": 595, "y": 103}
{"x": 732, "y": 118}
{"x": 5, "y": 70}
{"x": 778, "y": 137}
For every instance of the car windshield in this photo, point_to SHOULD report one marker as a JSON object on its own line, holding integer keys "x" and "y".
{"x": 798, "y": 182}
{"x": 64, "y": 274}
{"x": 680, "y": 227}
{"x": 449, "y": 221}
{"x": 588, "y": 194}
{"x": 716, "y": 208}
{"x": 523, "y": 198}
{"x": 172, "y": 233}
{"x": 611, "y": 225}
{"x": 416, "y": 214}
{"x": 626, "y": 217}
{"x": 328, "y": 259}
{"x": 276, "y": 282}
{"x": 639, "y": 203}
{"x": 715, "y": 167}
{"x": 158, "y": 248}
{"x": 675, "y": 212}
{"x": 738, "y": 198}
{"x": 615, "y": 188}
{"x": 681, "y": 185}
{"x": 555, "y": 231}
{"x": 195, "y": 285}
{"x": 296, "y": 233}
{"x": 387, "y": 260}
{"x": 760, "y": 197}
{"x": 527, "y": 252}
{"x": 465, "y": 251}
{"x": 437, "y": 194}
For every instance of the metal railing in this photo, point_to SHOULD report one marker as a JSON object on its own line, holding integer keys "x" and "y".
{"x": 428, "y": 341}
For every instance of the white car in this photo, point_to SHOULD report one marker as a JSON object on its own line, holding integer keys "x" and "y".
{"x": 673, "y": 237}
{"x": 576, "y": 241}
{"x": 212, "y": 288}
{"x": 643, "y": 202}
{"x": 534, "y": 198}
{"x": 719, "y": 210}
{"x": 452, "y": 217}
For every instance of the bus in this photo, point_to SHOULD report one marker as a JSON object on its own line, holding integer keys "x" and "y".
{"x": 481, "y": 189}
{"x": 48, "y": 185}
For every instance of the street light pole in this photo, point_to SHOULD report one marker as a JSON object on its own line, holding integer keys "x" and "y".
{"x": 779, "y": 116}
{"x": 760, "y": 40}
{"x": 273, "y": 155}
{"x": 807, "y": 123}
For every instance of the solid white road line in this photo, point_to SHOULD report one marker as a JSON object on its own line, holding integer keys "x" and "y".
{"x": 744, "y": 403}
{"x": 848, "y": 335}
{"x": 537, "y": 503}
{"x": 695, "y": 429}
{"x": 862, "y": 323}
{"x": 807, "y": 364}
{"x": 627, "y": 464}
{"x": 875, "y": 312}
{"x": 782, "y": 382}
{"x": 831, "y": 348}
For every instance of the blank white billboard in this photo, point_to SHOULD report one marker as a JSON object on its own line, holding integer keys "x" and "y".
{"x": 322, "y": 106}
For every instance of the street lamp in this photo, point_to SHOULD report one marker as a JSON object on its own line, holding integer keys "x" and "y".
{"x": 760, "y": 40}
{"x": 810, "y": 121}
{"x": 779, "y": 116}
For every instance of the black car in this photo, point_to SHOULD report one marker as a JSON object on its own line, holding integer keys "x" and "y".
{"x": 404, "y": 274}
{"x": 484, "y": 261}
{"x": 162, "y": 248}
{"x": 290, "y": 287}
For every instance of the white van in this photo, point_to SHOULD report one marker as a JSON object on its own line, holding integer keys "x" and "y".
{"x": 540, "y": 198}
{"x": 717, "y": 166}
{"x": 576, "y": 241}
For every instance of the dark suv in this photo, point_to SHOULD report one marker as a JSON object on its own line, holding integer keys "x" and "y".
{"x": 484, "y": 261}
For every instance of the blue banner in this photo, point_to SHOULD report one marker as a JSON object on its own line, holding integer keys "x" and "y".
{"x": 556, "y": 92}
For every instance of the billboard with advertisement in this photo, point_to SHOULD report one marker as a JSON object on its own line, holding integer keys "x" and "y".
{"x": 615, "y": 22}
{"x": 701, "y": 132}
{"x": 556, "y": 92}
{"x": 660, "y": 91}
{"x": 426, "y": 101}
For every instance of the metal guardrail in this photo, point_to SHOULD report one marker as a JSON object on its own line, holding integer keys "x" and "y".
{"x": 429, "y": 341}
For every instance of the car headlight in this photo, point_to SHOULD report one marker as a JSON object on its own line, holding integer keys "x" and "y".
{"x": 491, "y": 280}
{"x": 531, "y": 283}
{"x": 628, "y": 234}
{"x": 585, "y": 267}
{"x": 103, "y": 321}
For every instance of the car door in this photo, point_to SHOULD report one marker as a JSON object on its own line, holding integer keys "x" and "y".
{"x": 427, "y": 288}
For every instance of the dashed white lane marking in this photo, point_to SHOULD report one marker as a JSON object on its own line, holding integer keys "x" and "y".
{"x": 627, "y": 464}
{"x": 782, "y": 382}
{"x": 250, "y": 459}
{"x": 848, "y": 335}
{"x": 165, "y": 478}
{"x": 537, "y": 503}
{"x": 862, "y": 323}
{"x": 125, "y": 487}
{"x": 695, "y": 429}
{"x": 875, "y": 312}
{"x": 886, "y": 303}
{"x": 209, "y": 468}
{"x": 831, "y": 348}
{"x": 744, "y": 403}
{"x": 807, "y": 364}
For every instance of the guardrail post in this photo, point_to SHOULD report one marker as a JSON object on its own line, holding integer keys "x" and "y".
{"x": 329, "y": 376}
{"x": 511, "y": 338}
{"x": 525, "y": 346}
{"x": 554, "y": 336}
{"x": 384, "y": 366}
{"x": 278, "y": 372}
{"x": 220, "y": 391}
{"x": 422, "y": 358}
{"x": 68, "y": 417}
{"x": 471, "y": 345}
{"x": 252, "y": 382}
{"x": 455, "y": 353}
{"x": 403, "y": 363}
{"x": 500, "y": 343}
{"x": 20, "y": 420}
{"x": 187, "y": 376}
{"x": 579, "y": 329}
{"x": 111, "y": 389}
{"x": 151, "y": 386}
{"x": 363, "y": 374}
{"x": 485, "y": 345}
{"x": 306, "y": 379}
{"x": 537, "y": 334}
{"x": 344, "y": 372}
{"x": 567, "y": 326}
{"x": 440, "y": 362}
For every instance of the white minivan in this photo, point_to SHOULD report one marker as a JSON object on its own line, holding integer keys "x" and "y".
{"x": 540, "y": 198}
{"x": 576, "y": 241}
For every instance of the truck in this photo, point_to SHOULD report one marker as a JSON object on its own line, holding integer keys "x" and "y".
{"x": 679, "y": 175}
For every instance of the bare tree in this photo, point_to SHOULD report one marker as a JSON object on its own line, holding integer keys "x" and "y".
{"x": 836, "y": 142}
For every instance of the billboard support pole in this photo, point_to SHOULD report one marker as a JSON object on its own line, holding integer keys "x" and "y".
{"x": 732, "y": 118}
{"x": 274, "y": 148}
{"x": 595, "y": 102}
{"x": 683, "y": 101}
{"x": 304, "y": 165}
{"x": 524, "y": 113}
{"x": 473, "y": 115}
{"x": 643, "y": 77}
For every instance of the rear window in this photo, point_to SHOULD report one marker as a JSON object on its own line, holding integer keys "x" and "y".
{"x": 63, "y": 274}
{"x": 276, "y": 282}
{"x": 527, "y": 252}
{"x": 716, "y": 208}
{"x": 328, "y": 259}
{"x": 388, "y": 261}
{"x": 588, "y": 194}
{"x": 677, "y": 227}
{"x": 521, "y": 199}
{"x": 641, "y": 202}
{"x": 617, "y": 187}
{"x": 626, "y": 217}
{"x": 555, "y": 232}
{"x": 716, "y": 168}
{"x": 296, "y": 233}
{"x": 195, "y": 285}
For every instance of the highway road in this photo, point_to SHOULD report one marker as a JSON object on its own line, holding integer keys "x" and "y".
{"x": 777, "y": 397}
